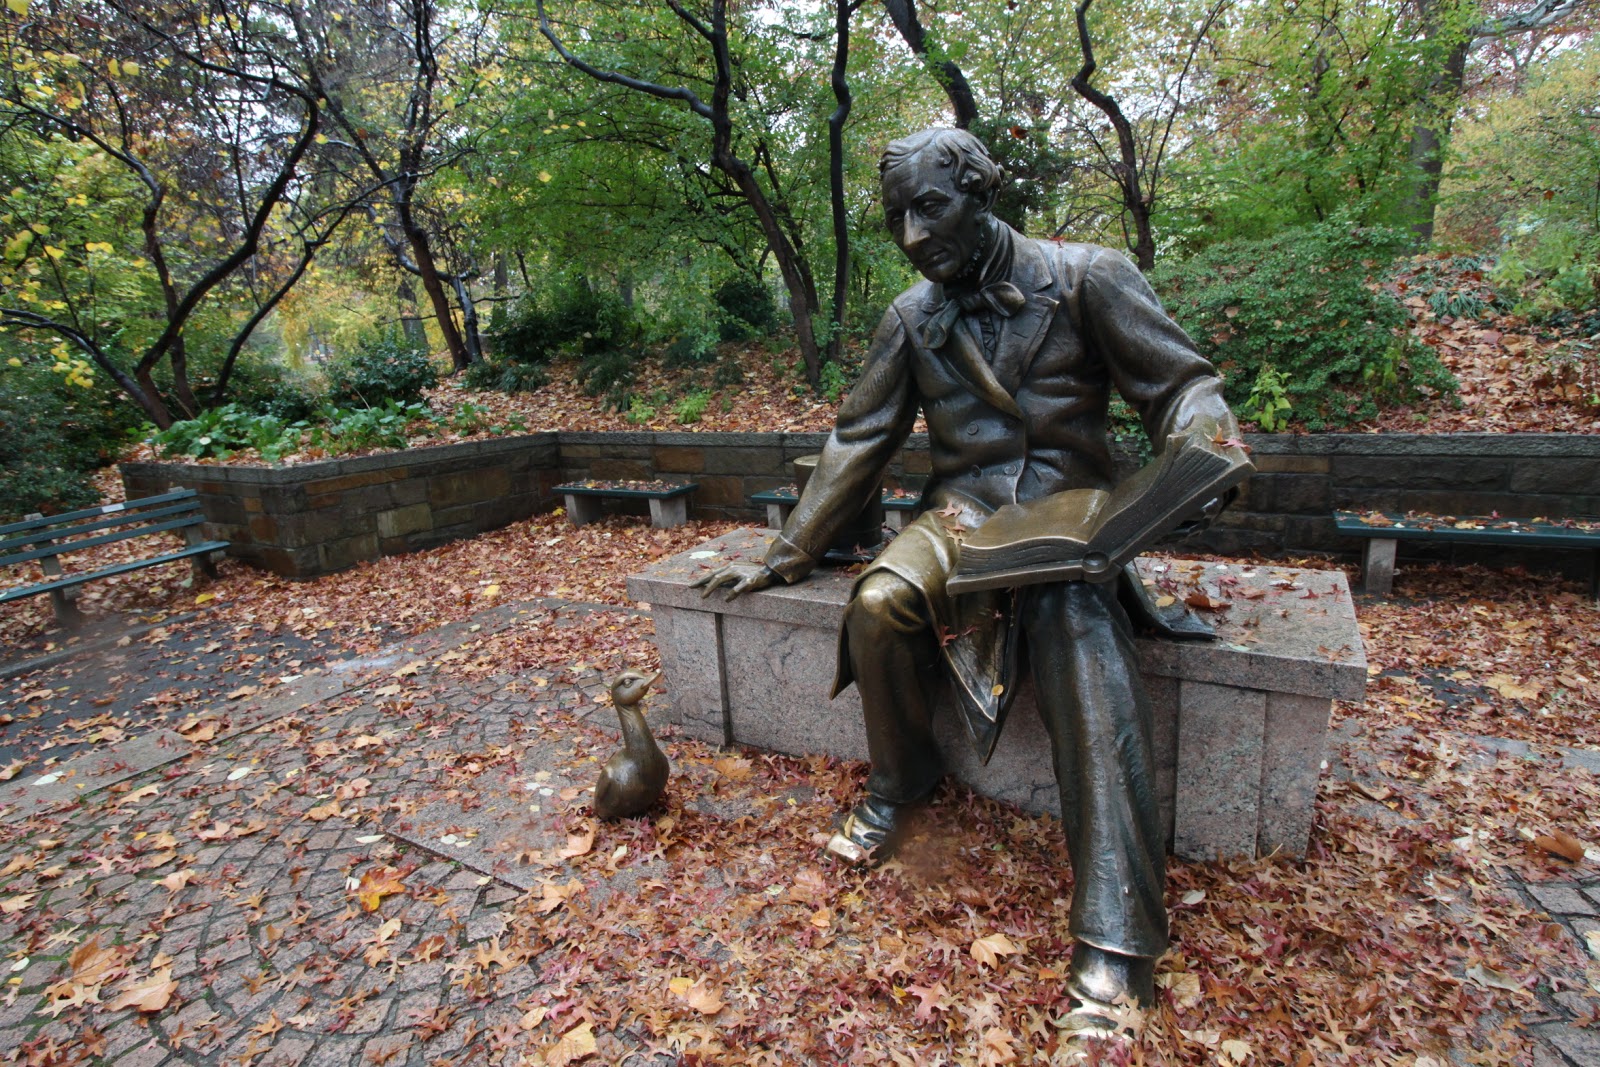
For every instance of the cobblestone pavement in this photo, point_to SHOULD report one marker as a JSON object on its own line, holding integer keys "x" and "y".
{"x": 375, "y": 867}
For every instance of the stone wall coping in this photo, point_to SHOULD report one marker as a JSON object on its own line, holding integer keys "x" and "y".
{"x": 317, "y": 470}
{"x": 1488, "y": 445}
{"x": 1299, "y": 636}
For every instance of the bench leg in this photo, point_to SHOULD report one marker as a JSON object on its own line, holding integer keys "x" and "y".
{"x": 668, "y": 513}
{"x": 582, "y": 510}
{"x": 1594, "y": 579}
{"x": 777, "y": 514}
{"x": 66, "y": 610}
{"x": 1377, "y": 566}
{"x": 200, "y": 567}
{"x": 895, "y": 520}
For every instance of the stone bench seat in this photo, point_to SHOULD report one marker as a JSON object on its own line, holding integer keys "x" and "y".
{"x": 898, "y": 506}
{"x": 1384, "y": 531}
{"x": 1239, "y": 723}
{"x": 669, "y": 503}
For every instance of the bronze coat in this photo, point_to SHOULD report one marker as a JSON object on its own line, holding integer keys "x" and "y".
{"x": 1031, "y": 424}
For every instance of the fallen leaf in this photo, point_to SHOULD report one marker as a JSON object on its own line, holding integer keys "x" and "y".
{"x": 988, "y": 950}
{"x": 575, "y": 1044}
{"x": 698, "y": 994}
{"x": 149, "y": 994}
{"x": 377, "y": 883}
{"x": 578, "y": 845}
{"x": 1561, "y": 844}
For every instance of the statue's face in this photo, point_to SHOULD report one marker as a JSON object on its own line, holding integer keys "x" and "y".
{"x": 935, "y": 224}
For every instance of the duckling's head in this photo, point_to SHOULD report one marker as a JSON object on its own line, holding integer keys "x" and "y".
{"x": 629, "y": 687}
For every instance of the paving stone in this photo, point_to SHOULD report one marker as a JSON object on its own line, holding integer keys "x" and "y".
{"x": 288, "y": 1052}
{"x": 1562, "y": 900}
{"x": 1581, "y": 1046}
{"x": 149, "y": 1054}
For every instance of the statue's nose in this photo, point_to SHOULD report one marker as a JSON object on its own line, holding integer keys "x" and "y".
{"x": 912, "y": 234}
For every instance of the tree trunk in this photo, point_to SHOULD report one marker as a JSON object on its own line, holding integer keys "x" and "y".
{"x": 1430, "y": 136}
{"x": 841, "y": 219}
{"x": 432, "y": 284}
{"x": 954, "y": 83}
{"x": 469, "y": 320}
{"x": 1126, "y": 166}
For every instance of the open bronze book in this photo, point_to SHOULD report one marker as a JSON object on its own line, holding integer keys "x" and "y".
{"x": 1089, "y": 534}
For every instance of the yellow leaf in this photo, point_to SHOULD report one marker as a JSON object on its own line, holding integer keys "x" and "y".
{"x": 203, "y": 597}
{"x": 18, "y": 7}
{"x": 491, "y": 592}
{"x": 376, "y": 884}
{"x": 544, "y": 175}
{"x": 575, "y": 1044}
{"x": 53, "y": 252}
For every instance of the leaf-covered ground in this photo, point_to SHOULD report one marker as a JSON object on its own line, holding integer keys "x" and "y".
{"x": 331, "y": 881}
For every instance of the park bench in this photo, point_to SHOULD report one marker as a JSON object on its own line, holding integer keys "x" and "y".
{"x": 47, "y": 539}
{"x": 1384, "y": 531}
{"x": 898, "y": 504}
{"x": 669, "y": 502}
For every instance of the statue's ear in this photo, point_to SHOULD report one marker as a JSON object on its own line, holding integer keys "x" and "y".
{"x": 988, "y": 197}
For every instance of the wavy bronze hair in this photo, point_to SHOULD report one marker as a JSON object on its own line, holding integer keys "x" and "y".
{"x": 975, "y": 172}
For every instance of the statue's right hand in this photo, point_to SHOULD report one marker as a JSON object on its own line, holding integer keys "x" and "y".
{"x": 738, "y": 577}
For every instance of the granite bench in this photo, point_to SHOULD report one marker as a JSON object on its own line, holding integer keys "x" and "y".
{"x": 1239, "y": 723}
{"x": 669, "y": 503}
{"x": 898, "y": 505}
{"x": 1384, "y": 531}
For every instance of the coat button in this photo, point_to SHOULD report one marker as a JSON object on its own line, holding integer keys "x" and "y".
{"x": 972, "y": 429}
{"x": 977, "y": 471}
{"x": 1011, "y": 469}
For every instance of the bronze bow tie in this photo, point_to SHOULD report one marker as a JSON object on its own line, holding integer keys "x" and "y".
{"x": 1002, "y": 298}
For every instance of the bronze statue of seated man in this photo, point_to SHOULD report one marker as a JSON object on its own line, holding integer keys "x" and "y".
{"x": 1010, "y": 350}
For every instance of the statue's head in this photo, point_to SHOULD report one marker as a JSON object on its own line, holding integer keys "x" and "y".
{"x": 938, "y": 188}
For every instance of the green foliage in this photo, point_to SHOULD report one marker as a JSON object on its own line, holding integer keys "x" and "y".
{"x": 728, "y": 373}
{"x": 506, "y": 376}
{"x": 1268, "y": 404}
{"x": 692, "y": 348}
{"x": 609, "y": 372}
{"x": 53, "y": 434}
{"x": 640, "y": 411}
{"x": 267, "y": 387}
{"x": 219, "y": 432}
{"x": 1554, "y": 267}
{"x": 383, "y": 369}
{"x": 570, "y": 316}
{"x": 834, "y": 383}
{"x": 1301, "y": 307}
{"x": 389, "y": 426}
{"x": 692, "y": 407}
{"x": 747, "y": 309}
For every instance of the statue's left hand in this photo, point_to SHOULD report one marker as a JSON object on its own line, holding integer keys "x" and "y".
{"x": 738, "y": 577}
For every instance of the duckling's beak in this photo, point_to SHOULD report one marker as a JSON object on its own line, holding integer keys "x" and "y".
{"x": 651, "y": 680}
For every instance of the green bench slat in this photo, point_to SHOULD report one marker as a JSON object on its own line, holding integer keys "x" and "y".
{"x": 188, "y": 508}
{"x": 1548, "y": 535}
{"x": 103, "y": 539}
{"x": 70, "y": 580}
{"x": 123, "y": 508}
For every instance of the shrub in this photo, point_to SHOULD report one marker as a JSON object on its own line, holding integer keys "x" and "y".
{"x": 1302, "y": 303}
{"x": 266, "y": 387}
{"x": 692, "y": 407}
{"x": 383, "y": 369}
{"x": 219, "y": 432}
{"x": 691, "y": 348}
{"x": 572, "y": 316}
{"x": 747, "y": 309}
{"x": 53, "y": 434}
{"x": 609, "y": 372}
{"x": 506, "y": 377}
{"x": 350, "y": 430}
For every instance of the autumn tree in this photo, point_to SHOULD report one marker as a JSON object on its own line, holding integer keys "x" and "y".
{"x": 184, "y": 130}
{"x": 744, "y": 149}
{"x": 400, "y": 81}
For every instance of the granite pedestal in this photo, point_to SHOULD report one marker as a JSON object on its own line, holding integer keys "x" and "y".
{"x": 1239, "y": 722}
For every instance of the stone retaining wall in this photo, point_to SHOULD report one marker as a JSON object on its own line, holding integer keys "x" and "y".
{"x": 320, "y": 517}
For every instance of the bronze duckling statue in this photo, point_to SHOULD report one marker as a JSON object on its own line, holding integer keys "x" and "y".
{"x": 634, "y": 778}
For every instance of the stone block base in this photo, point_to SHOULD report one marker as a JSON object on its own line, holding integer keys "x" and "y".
{"x": 1239, "y": 723}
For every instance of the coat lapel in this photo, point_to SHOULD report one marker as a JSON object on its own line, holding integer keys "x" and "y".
{"x": 1023, "y": 333}
{"x": 963, "y": 354}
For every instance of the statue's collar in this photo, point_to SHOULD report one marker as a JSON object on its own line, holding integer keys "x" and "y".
{"x": 991, "y": 263}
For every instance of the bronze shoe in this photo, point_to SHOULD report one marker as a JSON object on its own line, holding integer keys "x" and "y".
{"x": 868, "y": 833}
{"x": 1108, "y": 991}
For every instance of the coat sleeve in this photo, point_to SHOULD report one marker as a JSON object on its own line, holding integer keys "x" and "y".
{"x": 1152, "y": 362}
{"x": 873, "y": 422}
